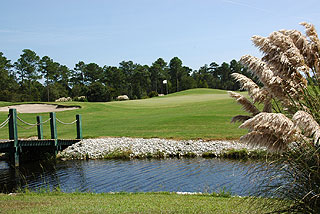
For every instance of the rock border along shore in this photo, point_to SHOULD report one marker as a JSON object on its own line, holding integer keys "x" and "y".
{"x": 140, "y": 147}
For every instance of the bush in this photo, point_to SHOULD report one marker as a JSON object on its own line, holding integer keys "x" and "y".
{"x": 80, "y": 99}
{"x": 289, "y": 121}
{"x": 153, "y": 94}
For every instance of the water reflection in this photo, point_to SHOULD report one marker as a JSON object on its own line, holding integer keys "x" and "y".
{"x": 186, "y": 175}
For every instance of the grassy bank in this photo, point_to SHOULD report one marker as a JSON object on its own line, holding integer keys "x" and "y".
{"x": 127, "y": 203}
{"x": 191, "y": 114}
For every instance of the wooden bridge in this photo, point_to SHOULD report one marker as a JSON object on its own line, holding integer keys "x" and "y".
{"x": 16, "y": 147}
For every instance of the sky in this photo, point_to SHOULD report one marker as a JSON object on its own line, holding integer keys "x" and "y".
{"x": 107, "y": 32}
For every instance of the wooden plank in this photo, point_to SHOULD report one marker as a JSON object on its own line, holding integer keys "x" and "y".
{"x": 67, "y": 142}
{"x": 37, "y": 143}
{"x": 5, "y": 145}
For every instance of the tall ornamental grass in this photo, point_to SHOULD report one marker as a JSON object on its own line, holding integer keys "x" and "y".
{"x": 287, "y": 120}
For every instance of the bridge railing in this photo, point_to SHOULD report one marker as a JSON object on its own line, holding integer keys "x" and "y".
{"x": 13, "y": 118}
{"x": 4, "y": 123}
{"x": 13, "y": 131}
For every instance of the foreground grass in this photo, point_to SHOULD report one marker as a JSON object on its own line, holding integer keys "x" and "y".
{"x": 191, "y": 114}
{"x": 126, "y": 203}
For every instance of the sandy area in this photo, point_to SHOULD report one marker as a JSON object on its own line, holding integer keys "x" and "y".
{"x": 38, "y": 108}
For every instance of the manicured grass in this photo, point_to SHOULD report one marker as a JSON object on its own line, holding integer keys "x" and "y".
{"x": 127, "y": 203}
{"x": 191, "y": 114}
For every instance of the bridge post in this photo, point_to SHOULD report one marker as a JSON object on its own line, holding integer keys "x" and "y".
{"x": 39, "y": 127}
{"x": 79, "y": 126}
{"x": 53, "y": 128}
{"x": 13, "y": 135}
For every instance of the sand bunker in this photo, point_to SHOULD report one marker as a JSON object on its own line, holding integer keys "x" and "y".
{"x": 39, "y": 108}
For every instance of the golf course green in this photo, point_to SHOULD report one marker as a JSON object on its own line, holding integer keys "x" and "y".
{"x": 190, "y": 114}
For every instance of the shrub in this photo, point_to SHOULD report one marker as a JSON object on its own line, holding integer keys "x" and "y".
{"x": 80, "y": 99}
{"x": 289, "y": 121}
{"x": 153, "y": 94}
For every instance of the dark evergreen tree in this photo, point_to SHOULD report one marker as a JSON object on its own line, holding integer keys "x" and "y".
{"x": 8, "y": 85}
{"x": 98, "y": 92}
{"x": 175, "y": 71}
{"x": 27, "y": 72}
{"x": 158, "y": 73}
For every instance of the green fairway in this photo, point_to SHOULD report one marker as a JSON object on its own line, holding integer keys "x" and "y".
{"x": 127, "y": 203}
{"x": 191, "y": 114}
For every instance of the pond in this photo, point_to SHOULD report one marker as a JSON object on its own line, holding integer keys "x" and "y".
{"x": 154, "y": 175}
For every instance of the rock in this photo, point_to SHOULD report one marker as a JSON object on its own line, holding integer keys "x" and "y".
{"x": 64, "y": 99}
{"x": 139, "y": 147}
{"x": 122, "y": 97}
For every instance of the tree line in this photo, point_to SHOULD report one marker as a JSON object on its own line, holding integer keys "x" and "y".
{"x": 35, "y": 78}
